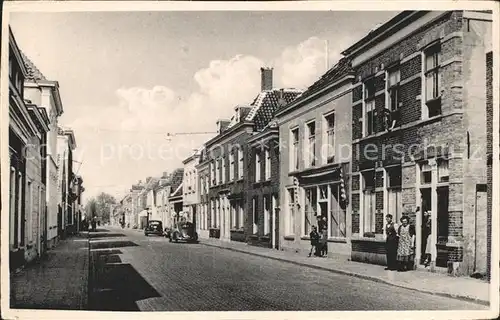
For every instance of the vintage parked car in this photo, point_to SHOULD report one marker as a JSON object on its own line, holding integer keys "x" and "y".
{"x": 154, "y": 227}
{"x": 183, "y": 232}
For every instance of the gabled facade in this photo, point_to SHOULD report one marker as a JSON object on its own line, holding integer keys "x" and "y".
{"x": 36, "y": 185}
{"x": 314, "y": 165}
{"x": 420, "y": 85}
{"x": 229, "y": 161}
{"x": 175, "y": 198}
{"x": 135, "y": 191}
{"x": 26, "y": 127}
{"x": 162, "y": 192}
{"x": 263, "y": 186}
{"x": 203, "y": 173}
{"x": 190, "y": 187}
{"x": 45, "y": 94}
{"x": 66, "y": 145}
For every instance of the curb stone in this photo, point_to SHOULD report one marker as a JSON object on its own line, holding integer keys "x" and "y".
{"x": 357, "y": 275}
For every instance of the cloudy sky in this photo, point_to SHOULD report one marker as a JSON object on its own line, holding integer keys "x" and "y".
{"x": 129, "y": 78}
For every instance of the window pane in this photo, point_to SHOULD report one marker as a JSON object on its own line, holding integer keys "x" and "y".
{"x": 443, "y": 173}
{"x": 430, "y": 61}
{"x": 369, "y": 211}
{"x": 429, "y": 86}
{"x": 394, "y": 77}
{"x": 335, "y": 214}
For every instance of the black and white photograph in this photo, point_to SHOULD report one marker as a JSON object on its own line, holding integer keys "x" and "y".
{"x": 243, "y": 157}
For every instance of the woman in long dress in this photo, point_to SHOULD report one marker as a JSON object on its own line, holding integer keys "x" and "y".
{"x": 406, "y": 235}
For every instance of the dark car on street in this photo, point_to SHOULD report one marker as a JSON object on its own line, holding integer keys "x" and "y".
{"x": 183, "y": 232}
{"x": 154, "y": 227}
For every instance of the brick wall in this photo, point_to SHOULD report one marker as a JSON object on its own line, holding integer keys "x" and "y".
{"x": 236, "y": 186}
{"x": 259, "y": 190}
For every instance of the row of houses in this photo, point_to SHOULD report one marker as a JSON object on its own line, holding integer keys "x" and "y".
{"x": 44, "y": 191}
{"x": 396, "y": 126}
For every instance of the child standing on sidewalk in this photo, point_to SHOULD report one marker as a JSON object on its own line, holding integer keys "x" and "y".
{"x": 314, "y": 236}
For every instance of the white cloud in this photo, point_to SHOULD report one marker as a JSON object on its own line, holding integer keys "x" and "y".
{"x": 221, "y": 86}
{"x": 303, "y": 64}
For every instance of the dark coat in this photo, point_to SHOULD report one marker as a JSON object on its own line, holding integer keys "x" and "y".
{"x": 314, "y": 236}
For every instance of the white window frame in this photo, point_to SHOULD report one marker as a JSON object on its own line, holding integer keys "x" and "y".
{"x": 218, "y": 172}
{"x": 212, "y": 214}
{"x": 254, "y": 212}
{"x": 327, "y": 133}
{"x": 12, "y": 199}
{"x": 257, "y": 166}
{"x": 231, "y": 165}
{"x": 364, "y": 195}
{"x": 396, "y": 211}
{"x": 366, "y": 100}
{"x": 310, "y": 144}
{"x": 313, "y": 210}
{"x": 266, "y": 200}
{"x": 29, "y": 211}
{"x": 331, "y": 208}
{"x": 294, "y": 150}
{"x": 223, "y": 168}
{"x": 267, "y": 164}
{"x": 240, "y": 163}
{"x": 290, "y": 200}
{"x": 20, "y": 240}
{"x": 233, "y": 205}
{"x": 389, "y": 89}
{"x": 241, "y": 220}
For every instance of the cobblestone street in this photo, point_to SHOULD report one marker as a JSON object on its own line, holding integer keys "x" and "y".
{"x": 131, "y": 272}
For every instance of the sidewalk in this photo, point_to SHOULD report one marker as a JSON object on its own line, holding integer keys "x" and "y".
{"x": 58, "y": 281}
{"x": 439, "y": 284}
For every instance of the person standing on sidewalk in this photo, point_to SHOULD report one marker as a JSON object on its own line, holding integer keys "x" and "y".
{"x": 94, "y": 224}
{"x": 427, "y": 235}
{"x": 323, "y": 229}
{"x": 314, "y": 237}
{"x": 391, "y": 243}
{"x": 406, "y": 244}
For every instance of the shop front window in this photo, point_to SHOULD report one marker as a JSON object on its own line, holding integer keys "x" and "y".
{"x": 310, "y": 211}
{"x": 369, "y": 202}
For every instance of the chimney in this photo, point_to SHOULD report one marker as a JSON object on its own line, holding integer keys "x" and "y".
{"x": 222, "y": 125}
{"x": 266, "y": 78}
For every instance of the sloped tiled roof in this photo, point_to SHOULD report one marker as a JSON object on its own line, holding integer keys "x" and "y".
{"x": 267, "y": 103}
{"x": 244, "y": 111}
{"x": 33, "y": 72}
{"x": 342, "y": 68}
{"x": 177, "y": 177}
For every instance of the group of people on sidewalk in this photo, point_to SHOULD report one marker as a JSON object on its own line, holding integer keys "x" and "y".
{"x": 400, "y": 242}
{"x": 319, "y": 238}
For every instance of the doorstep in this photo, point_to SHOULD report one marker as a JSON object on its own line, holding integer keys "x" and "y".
{"x": 422, "y": 281}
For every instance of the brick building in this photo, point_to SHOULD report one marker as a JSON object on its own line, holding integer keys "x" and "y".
{"x": 175, "y": 197}
{"x": 190, "y": 187}
{"x": 230, "y": 162}
{"x": 66, "y": 144}
{"x": 419, "y": 87}
{"x": 263, "y": 187}
{"x": 45, "y": 94}
{"x": 28, "y": 126}
{"x": 313, "y": 132}
{"x": 36, "y": 185}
